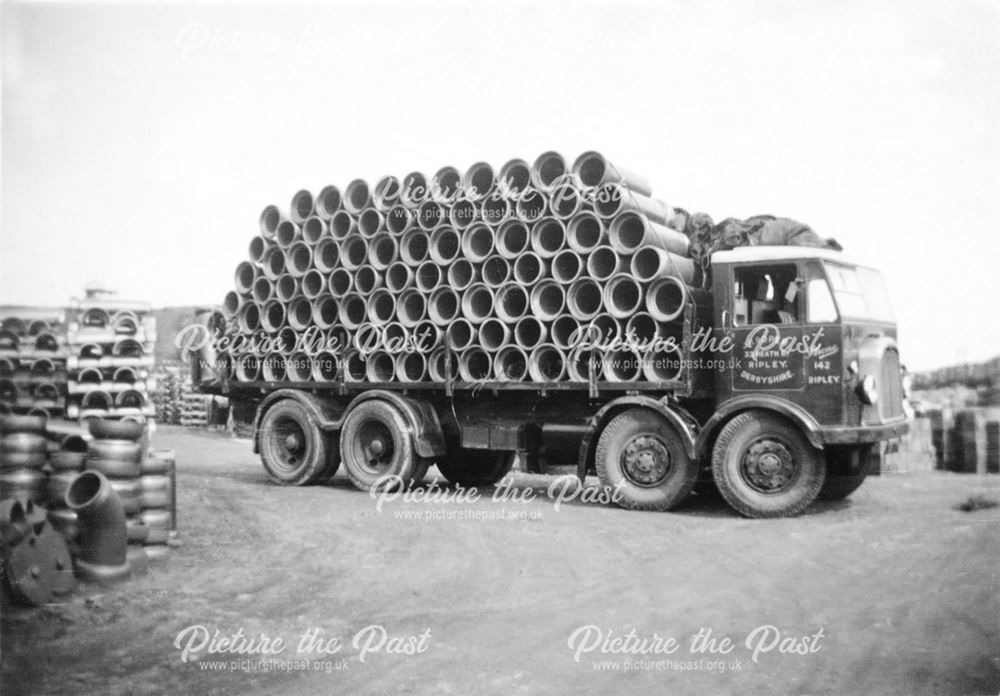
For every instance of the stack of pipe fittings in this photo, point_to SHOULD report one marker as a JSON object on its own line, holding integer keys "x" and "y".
{"x": 111, "y": 355}
{"x": 24, "y": 452}
{"x": 158, "y": 502}
{"x": 112, "y": 507}
{"x": 530, "y": 273}
{"x": 35, "y": 559}
{"x": 64, "y": 465}
{"x": 33, "y": 353}
{"x": 116, "y": 452}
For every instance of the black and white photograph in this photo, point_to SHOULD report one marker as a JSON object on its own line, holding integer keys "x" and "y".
{"x": 499, "y": 347}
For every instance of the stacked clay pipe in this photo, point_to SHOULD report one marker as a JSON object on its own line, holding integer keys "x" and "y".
{"x": 33, "y": 354}
{"x": 111, "y": 344}
{"x": 526, "y": 273}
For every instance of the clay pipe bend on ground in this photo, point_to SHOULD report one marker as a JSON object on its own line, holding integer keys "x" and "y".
{"x": 103, "y": 537}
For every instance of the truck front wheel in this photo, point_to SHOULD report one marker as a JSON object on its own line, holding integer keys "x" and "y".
{"x": 641, "y": 457}
{"x": 376, "y": 443}
{"x": 473, "y": 467}
{"x": 293, "y": 449}
{"x": 764, "y": 466}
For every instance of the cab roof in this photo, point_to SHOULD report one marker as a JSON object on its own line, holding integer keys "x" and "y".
{"x": 780, "y": 253}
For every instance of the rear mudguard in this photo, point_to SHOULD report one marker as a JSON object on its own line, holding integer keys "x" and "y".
{"x": 685, "y": 425}
{"x": 329, "y": 414}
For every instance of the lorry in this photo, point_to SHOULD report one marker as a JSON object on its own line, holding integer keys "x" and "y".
{"x": 790, "y": 380}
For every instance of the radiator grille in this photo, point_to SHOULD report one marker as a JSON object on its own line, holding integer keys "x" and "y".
{"x": 890, "y": 387}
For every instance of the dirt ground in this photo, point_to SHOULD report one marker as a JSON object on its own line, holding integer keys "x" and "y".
{"x": 903, "y": 586}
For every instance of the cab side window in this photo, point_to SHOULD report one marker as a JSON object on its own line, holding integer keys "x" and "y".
{"x": 766, "y": 295}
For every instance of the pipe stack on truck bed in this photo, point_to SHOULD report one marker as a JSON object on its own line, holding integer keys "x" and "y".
{"x": 548, "y": 311}
{"x": 516, "y": 277}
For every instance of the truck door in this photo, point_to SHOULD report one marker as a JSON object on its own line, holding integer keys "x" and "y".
{"x": 761, "y": 316}
{"x": 781, "y": 344}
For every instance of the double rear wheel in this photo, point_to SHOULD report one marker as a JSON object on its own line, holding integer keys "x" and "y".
{"x": 293, "y": 448}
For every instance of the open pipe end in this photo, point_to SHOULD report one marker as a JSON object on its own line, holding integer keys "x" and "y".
{"x": 479, "y": 181}
{"x": 328, "y": 201}
{"x": 357, "y": 196}
{"x": 547, "y": 169}
{"x": 414, "y": 190}
{"x": 386, "y": 193}
{"x": 302, "y": 206}
{"x": 514, "y": 177}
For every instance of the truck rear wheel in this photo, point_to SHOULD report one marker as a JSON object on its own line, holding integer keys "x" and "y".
{"x": 765, "y": 467}
{"x": 293, "y": 449}
{"x": 641, "y": 456}
{"x": 844, "y": 475}
{"x": 376, "y": 442}
{"x": 475, "y": 467}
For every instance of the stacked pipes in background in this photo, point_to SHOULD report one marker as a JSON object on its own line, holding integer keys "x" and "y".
{"x": 111, "y": 344}
{"x": 178, "y": 403}
{"x": 33, "y": 354}
{"x": 171, "y": 383}
{"x": 92, "y": 359}
{"x": 194, "y": 407}
{"x": 526, "y": 273}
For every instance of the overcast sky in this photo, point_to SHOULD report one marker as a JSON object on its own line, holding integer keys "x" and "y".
{"x": 140, "y": 141}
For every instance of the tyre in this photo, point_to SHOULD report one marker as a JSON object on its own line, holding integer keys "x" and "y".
{"x": 844, "y": 473}
{"x": 375, "y": 442}
{"x": 765, "y": 467}
{"x": 641, "y": 456}
{"x": 475, "y": 467}
{"x": 292, "y": 447}
{"x": 23, "y": 443}
{"x": 332, "y": 459}
{"x": 102, "y": 429}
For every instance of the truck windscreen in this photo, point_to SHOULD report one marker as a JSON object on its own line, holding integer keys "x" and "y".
{"x": 859, "y": 292}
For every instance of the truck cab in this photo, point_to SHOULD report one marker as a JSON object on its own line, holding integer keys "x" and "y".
{"x": 806, "y": 337}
